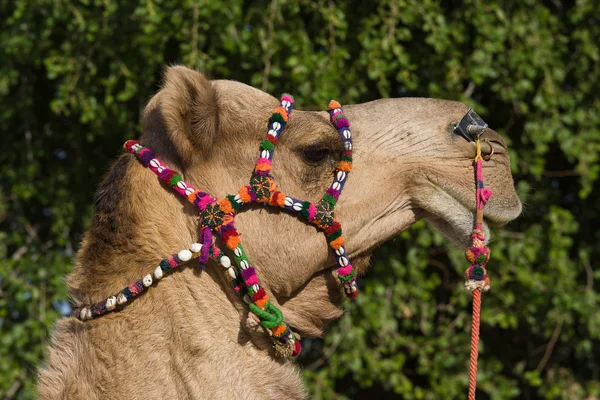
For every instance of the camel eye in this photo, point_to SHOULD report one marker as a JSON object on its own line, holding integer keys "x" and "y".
{"x": 315, "y": 155}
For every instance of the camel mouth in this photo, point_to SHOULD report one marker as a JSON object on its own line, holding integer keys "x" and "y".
{"x": 452, "y": 217}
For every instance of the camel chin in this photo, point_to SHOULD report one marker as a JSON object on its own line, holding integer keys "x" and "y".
{"x": 450, "y": 216}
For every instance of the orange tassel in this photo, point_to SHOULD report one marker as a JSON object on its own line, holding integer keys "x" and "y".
{"x": 244, "y": 195}
{"x": 278, "y": 330}
{"x": 333, "y": 104}
{"x": 262, "y": 302}
{"x": 233, "y": 242}
{"x": 344, "y": 166}
{"x": 337, "y": 243}
{"x": 281, "y": 111}
{"x": 226, "y": 206}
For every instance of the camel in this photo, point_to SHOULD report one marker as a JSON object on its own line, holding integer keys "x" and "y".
{"x": 190, "y": 337}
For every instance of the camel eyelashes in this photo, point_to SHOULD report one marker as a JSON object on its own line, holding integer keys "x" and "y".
{"x": 315, "y": 154}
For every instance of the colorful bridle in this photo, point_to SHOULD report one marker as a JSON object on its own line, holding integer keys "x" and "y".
{"x": 218, "y": 216}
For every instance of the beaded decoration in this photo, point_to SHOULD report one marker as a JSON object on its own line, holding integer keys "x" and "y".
{"x": 218, "y": 216}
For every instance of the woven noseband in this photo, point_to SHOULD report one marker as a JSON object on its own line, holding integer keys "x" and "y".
{"x": 218, "y": 216}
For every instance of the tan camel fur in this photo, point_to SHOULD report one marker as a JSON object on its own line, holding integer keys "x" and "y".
{"x": 188, "y": 337}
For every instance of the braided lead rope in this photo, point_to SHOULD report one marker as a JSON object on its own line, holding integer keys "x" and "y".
{"x": 477, "y": 278}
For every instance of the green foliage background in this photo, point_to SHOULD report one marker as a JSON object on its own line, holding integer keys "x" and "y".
{"x": 75, "y": 74}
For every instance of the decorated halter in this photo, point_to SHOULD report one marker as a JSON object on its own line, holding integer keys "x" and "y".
{"x": 218, "y": 216}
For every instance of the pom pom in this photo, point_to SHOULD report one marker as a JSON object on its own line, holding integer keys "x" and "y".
{"x": 129, "y": 144}
{"x": 333, "y": 193}
{"x": 287, "y": 97}
{"x": 345, "y": 270}
{"x": 345, "y": 166}
{"x": 330, "y": 199}
{"x": 145, "y": 156}
{"x": 333, "y": 104}
{"x": 337, "y": 243}
{"x": 267, "y": 145}
{"x": 297, "y": 348}
{"x": 279, "y": 330}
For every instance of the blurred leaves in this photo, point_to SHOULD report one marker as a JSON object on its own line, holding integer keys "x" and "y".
{"x": 74, "y": 76}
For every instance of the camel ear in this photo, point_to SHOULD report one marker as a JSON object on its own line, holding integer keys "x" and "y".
{"x": 188, "y": 104}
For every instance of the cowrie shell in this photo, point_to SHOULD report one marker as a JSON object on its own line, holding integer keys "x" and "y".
{"x": 288, "y": 202}
{"x": 147, "y": 281}
{"x": 225, "y": 262}
{"x": 336, "y": 185}
{"x": 341, "y": 175}
{"x": 111, "y": 303}
{"x": 343, "y": 261}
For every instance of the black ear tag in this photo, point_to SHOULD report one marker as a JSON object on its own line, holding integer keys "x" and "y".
{"x": 470, "y": 125}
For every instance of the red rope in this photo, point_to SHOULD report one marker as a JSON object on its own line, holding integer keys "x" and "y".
{"x": 474, "y": 343}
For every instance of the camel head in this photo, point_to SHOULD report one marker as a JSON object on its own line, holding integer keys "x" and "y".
{"x": 408, "y": 164}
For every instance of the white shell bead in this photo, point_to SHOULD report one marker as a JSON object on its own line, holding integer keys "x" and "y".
{"x": 343, "y": 261}
{"x": 189, "y": 191}
{"x": 340, "y": 251}
{"x": 225, "y": 262}
{"x": 237, "y": 252}
{"x": 244, "y": 264}
{"x": 276, "y": 125}
{"x": 341, "y": 175}
{"x": 185, "y": 255}
{"x": 272, "y": 132}
{"x": 348, "y": 146}
{"x": 160, "y": 169}
{"x": 121, "y": 299}
{"x": 347, "y": 134}
{"x": 288, "y": 201}
{"x": 182, "y": 185}
{"x": 232, "y": 273}
{"x": 336, "y": 185}
{"x": 297, "y": 206}
{"x": 247, "y": 299}
{"x": 158, "y": 273}
{"x": 265, "y": 154}
{"x": 147, "y": 281}
{"x": 195, "y": 247}
{"x": 154, "y": 162}
{"x": 255, "y": 288}
{"x": 238, "y": 199}
{"x": 111, "y": 303}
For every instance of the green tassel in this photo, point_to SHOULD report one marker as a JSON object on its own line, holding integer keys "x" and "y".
{"x": 277, "y": 117}
{"x": 267, "y": 145}
{"x": 330, "y": 199}
{"x": 175, "y": 179}
{"x": 234, "y": 204}
{"x": 347, "y": 278}
{"x": 164, "y": 265}
{"x": 334, "y": 235}
{"x": 347, "y": 158}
